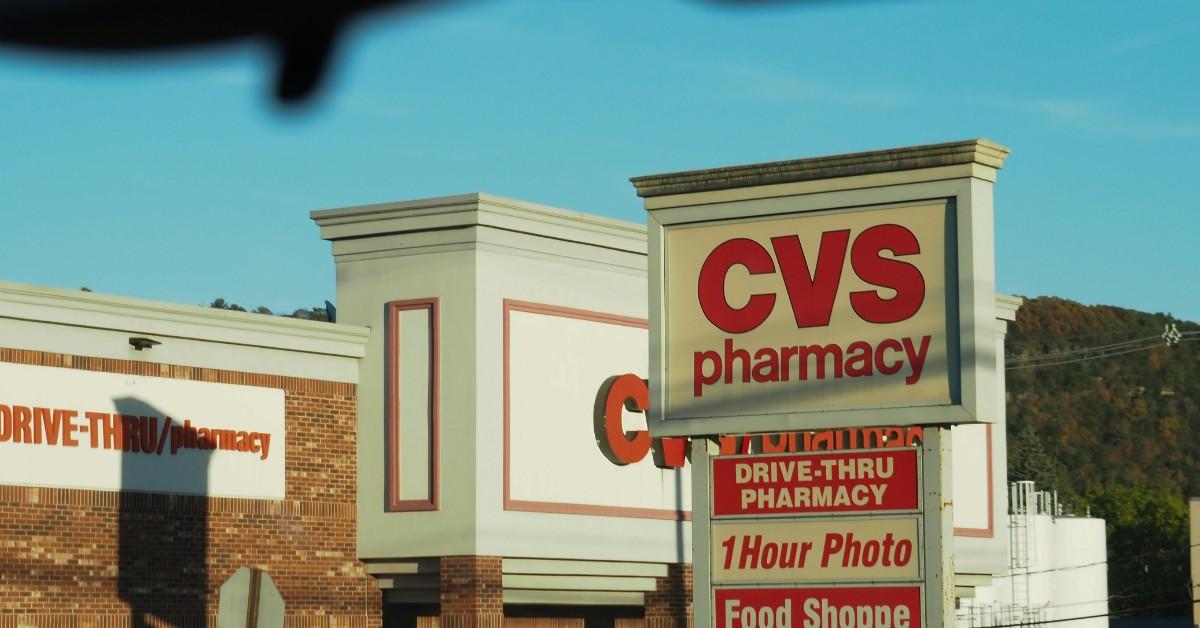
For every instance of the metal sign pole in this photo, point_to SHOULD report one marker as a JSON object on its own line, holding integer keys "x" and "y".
{"x": 702, "y": 593}
{"x": 939, "y": 528}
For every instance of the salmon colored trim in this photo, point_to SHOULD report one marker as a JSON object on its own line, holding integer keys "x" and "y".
{"x": 569, "y": 312}
{"x": 560, "y": 508}
{"x": 990, "y": 531}
{"x": 392, "y": 421}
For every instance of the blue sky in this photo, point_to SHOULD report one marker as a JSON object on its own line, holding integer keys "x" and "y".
{"x": 178, "y": 179}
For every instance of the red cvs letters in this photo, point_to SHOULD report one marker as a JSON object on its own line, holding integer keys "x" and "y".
{"x": 811, "y": 284}
{"x": 812, "y": 292}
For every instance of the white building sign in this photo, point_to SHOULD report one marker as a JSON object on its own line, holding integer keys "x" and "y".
{"x": 809, "y": 312}
{"x": 822, "y": 303}
{"x": 844, "y": 291}
{"x": 70, "y": 428}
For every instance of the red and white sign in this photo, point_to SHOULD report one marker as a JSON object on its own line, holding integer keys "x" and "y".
{"x": 843, "y": 482}
{"x": 71, "y": 428}
{"x": 810, "y": 312}
{"x": 784, "y": 303}
{"x": 825, "y": 607}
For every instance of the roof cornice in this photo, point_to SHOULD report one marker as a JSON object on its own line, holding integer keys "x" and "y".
{"x": 978, "y": 151}
{"x": 156, "y": 318}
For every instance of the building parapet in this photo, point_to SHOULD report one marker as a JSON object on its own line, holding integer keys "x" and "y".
{"x": 126, "y": 314}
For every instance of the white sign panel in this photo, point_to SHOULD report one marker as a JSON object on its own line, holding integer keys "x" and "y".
{"x": 82, "y": 429}
{"x": 551, "y": 406}
{"x": 829, "y": 318}
{"x": 816, "y": 550}
{"x": 803, "y": 313}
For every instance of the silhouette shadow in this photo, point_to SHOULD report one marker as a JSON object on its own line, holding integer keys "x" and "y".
{"x": 162, "y": 537}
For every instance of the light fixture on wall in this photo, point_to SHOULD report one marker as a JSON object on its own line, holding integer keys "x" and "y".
{"x": 139, "y": 342}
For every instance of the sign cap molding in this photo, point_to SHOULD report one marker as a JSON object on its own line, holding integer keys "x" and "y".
{"x": 977, "y": 151}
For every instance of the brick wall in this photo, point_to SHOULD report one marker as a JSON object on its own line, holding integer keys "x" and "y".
{"x": 472, "y": 591}
{"x": 670, "y": 604}
{"x": 107, "y": 559}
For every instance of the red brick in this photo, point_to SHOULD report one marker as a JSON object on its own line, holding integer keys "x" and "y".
{"x": 92, "y": 558}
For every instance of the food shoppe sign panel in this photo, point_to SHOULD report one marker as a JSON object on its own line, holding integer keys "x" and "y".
{"x": 788, "y": 319}
{"x": 820, "y": 607}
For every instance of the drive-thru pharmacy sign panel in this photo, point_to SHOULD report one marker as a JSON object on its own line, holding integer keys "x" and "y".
{"x": 817, "y": 540}
{"x": 843, "y": 482}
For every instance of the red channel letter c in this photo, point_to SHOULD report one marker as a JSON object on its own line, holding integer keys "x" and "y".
{"x": 626, "y": 392}
{"x": 711, "y": 288}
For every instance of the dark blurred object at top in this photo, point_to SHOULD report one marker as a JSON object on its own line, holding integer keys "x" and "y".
{"x": 303, "y": 32}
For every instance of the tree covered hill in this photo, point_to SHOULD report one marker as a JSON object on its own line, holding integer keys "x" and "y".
{"x": 1102, "y": 410}
{"x": 1132, "y": 419}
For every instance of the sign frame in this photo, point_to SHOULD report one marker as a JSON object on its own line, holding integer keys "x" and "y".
{"x": 970, "y": 294}
{"x": 936, "y": 528}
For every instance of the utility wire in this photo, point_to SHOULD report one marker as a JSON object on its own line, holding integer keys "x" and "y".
{"x": 1127, "y": 611}
{"x": 1047, "y": 338}
{"x": 1167, "y": 551}
{"x": 1042, "y": 339}
{"x": 1024, "y": 358}
{"x": 1103, "y": 351}
{"x": 1115, "y": 597}
{"x": 1054, "y": 569}
{"x": 1169, "y": 337}
{"x": 1109, "y": 600}
{"x": 1118, "y": 614}
{"x": 1088, "y": 358}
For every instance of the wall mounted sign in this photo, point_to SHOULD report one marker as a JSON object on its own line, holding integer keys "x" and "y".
{"x": 71, "y": 428}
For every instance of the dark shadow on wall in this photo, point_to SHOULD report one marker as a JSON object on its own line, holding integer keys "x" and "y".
{"x": 163, "y": 522}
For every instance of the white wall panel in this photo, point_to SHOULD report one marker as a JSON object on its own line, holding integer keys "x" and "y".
{"x": 556, "y": 366}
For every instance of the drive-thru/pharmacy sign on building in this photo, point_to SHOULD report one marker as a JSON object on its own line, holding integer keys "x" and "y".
{"x": 847, "y": 291}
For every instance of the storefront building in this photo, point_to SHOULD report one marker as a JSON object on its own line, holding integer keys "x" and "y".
{"x": 137, "y": 480}
{"x": 488, "y": 488}
{"x": 463, "y": 448}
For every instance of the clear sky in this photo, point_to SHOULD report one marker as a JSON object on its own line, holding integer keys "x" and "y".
{"x": 178, "y": 179}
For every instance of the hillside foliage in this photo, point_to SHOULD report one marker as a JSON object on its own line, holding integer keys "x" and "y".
{"x": 1117, "y": 436}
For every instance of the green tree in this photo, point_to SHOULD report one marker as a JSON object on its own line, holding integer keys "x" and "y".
{"x": 222, "y": 304}
{"x": 1029, "y": 460}
{"x": 319, "y": 313}
{"x": 1123, "y": 433}
{"x": 1147, "y": 533}
{"x": 312, "y": 314}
